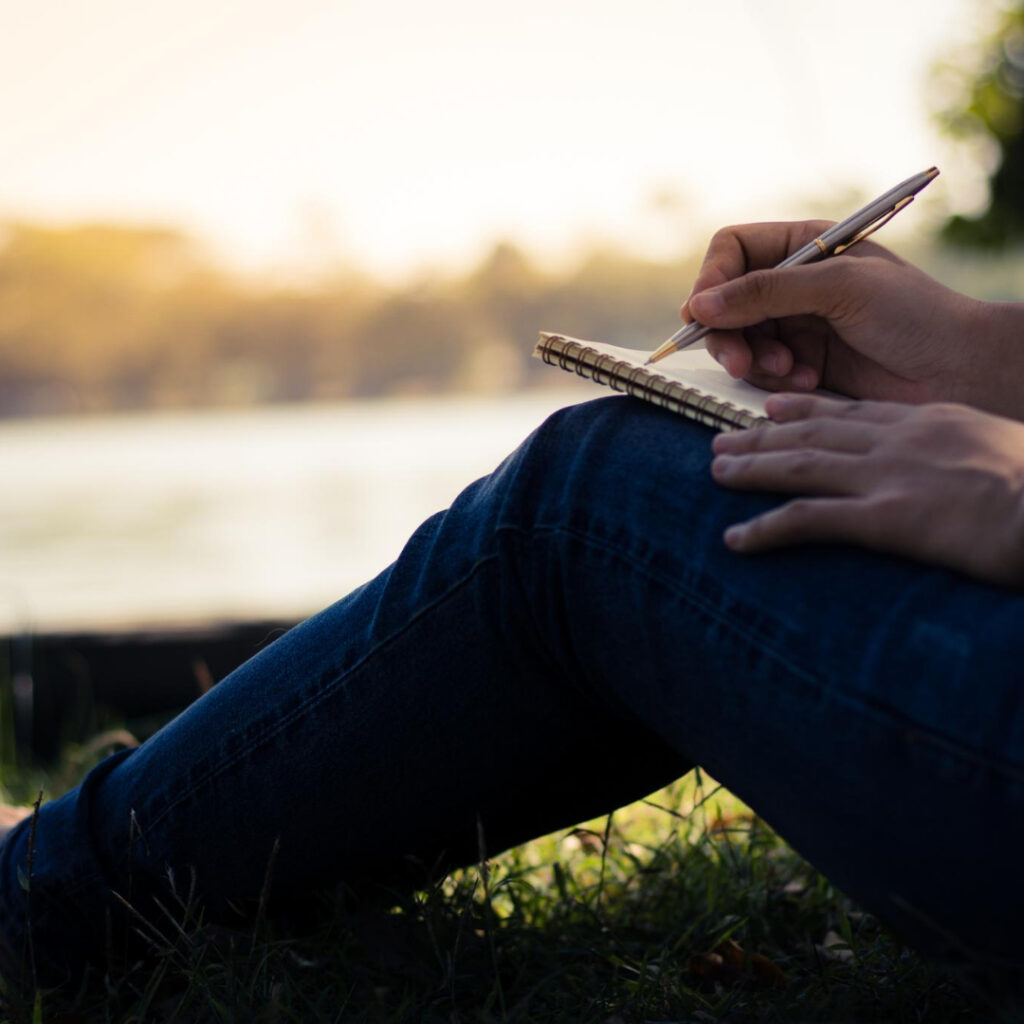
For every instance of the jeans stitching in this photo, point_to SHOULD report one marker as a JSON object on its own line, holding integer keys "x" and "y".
{"x": 313, "y": 700}
{"x": 672, "y": 583}
{"x": 912, "y": 731}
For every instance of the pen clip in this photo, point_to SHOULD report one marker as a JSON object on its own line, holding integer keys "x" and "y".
{"x": 872, "y": 228}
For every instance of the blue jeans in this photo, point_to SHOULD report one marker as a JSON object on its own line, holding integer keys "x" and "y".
{"x": 576, "y": 601}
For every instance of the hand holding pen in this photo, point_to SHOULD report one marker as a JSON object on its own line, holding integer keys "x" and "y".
{"x": 869, "y": 325}
{"x": 830, "y": 242}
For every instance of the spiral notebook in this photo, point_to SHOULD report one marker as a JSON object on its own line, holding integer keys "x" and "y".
{"x": 689, "y": 383}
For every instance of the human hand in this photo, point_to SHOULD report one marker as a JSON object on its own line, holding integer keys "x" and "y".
{"x": 943, "y": 484}
{"x": 866, "y": 323}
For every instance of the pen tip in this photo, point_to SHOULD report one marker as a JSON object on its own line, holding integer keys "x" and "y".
{"x": 932, "y": 172}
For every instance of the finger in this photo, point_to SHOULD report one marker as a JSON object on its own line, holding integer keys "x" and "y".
{"x": 839, "y": 435}
{"x": 790, "y": 407}
{"x": 835, "y": 290}
{"x": 736, "y": 250}
{"x": 792, "y": 471}
{"x": 764, "y": 359}
{"x": 803, "y": 521}
{"x": 800, "y": 378}
{"x": 732, "y": 351}
{"x": 772, "y": 359}
{"x": 739, "y": 249}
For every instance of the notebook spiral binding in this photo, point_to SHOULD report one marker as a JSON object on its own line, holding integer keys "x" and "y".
{"x": 640, "y": 382}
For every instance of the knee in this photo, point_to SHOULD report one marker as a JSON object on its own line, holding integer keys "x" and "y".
{"x": 612, "y": 450}
{"x": 622, "y": 432}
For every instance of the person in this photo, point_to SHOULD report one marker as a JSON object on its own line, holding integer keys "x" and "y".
{"x": 824, "y": 612}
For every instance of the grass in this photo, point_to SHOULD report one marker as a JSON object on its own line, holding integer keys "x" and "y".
{"x": 684, "y": 907}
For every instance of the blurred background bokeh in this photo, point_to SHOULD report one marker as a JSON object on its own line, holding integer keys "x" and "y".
{"x": 270, "y": 273}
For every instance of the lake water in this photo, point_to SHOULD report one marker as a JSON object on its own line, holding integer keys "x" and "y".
{"x": 198, "y": 516}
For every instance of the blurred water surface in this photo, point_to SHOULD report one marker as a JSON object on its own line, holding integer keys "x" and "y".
{"x": 188, "y": 517}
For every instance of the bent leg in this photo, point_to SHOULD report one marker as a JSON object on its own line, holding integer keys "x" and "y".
{"x": 575, "y": 603}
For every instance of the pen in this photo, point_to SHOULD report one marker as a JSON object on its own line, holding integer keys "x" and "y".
{"x": 832, "y": 242}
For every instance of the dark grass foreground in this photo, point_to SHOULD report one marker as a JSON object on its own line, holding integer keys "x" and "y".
{"x": 680, "y": 908}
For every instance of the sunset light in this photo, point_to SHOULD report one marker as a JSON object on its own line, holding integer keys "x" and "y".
{"x": 400, "y": 136}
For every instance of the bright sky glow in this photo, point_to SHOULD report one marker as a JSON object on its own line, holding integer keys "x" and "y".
{"x": 396, "y": 134}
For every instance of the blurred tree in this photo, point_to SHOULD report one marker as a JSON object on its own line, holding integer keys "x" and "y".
{"x": 76, "y": 304}
{"x": 105, "y": 316}
{"x": 985, "y": 106}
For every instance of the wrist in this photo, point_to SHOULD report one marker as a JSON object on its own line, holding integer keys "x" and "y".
{"x": 994, "y": 357}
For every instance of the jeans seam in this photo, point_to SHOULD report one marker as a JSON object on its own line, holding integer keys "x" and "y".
{"x": 670, "y": 582}
{"x": 913, "y": 732}
{"x": 282, "y": 722}
{"x": 693, "y": 597}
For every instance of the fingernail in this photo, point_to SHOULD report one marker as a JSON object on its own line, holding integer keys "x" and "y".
{"x": 707, "y": 305}
{"x": 804, "y": 378}
{"x": 720, "y": 465}
{"x": 733, "y": 537}
{"x": 771, "y": 363}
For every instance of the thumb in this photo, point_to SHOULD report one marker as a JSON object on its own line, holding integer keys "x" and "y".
{"x": 816, "y": 288}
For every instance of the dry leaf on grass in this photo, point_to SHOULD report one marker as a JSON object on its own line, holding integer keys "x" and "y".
{"x": 730, "y": 965}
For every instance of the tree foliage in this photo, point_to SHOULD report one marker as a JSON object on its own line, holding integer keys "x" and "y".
{"x": 986, "y": 107}
{"x": 108, "y": 317}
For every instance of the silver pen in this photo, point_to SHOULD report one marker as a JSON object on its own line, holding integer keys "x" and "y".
{"x": 832, "y": 242}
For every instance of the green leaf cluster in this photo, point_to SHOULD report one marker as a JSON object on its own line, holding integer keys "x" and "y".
{"x": 984, "y": 87}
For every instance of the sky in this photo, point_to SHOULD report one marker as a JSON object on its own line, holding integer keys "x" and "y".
{"x": 397, "y": 136}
